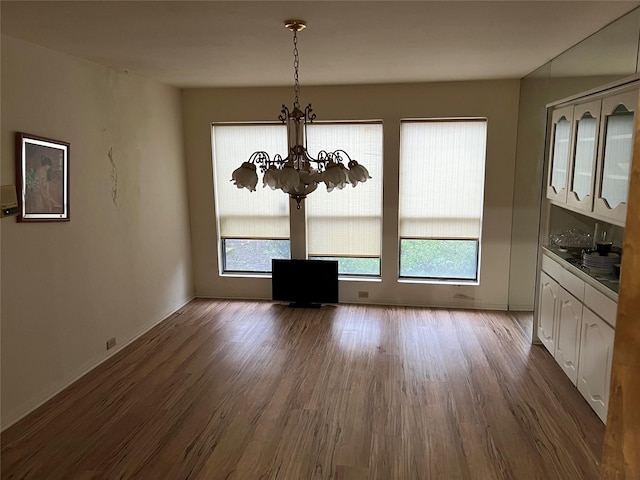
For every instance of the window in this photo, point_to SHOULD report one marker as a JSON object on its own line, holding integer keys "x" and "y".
{"x": 347, "y": 225}
{"x": 251, "y": 254}
{"x": 253, "y": 226}
{"x": 441, "y": 196}
{"x": 342, "y": 225}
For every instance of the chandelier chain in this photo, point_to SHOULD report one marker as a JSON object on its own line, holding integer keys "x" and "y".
{"x": 296, "y": 63}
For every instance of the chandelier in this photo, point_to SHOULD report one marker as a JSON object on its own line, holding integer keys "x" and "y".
{"x": 299, "y": 173}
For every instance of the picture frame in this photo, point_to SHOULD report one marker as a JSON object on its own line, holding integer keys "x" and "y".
{"x": 42, "y": 182}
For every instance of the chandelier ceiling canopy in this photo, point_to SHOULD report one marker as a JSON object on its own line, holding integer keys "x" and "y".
{"x": 298, "y": 174}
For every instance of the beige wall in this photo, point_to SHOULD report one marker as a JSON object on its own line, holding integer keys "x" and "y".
{"x": 496, "y": 100}
{"x": 121, "y": 264}
{"x": 532, "y": 123}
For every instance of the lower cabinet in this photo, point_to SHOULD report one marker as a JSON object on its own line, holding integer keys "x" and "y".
{"x": 570, "y": 325}
{"x": 568, "y": 338}
{"x": 547, "y": 307}
{"x": 594, "y": 366}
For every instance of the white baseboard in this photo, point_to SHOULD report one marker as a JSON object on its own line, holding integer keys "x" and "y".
{"x": 380, "y": 302}
{"x": 521, "y": 308}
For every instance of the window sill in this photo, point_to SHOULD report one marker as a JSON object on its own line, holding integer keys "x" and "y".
{"x": 245, "y": 275}
{"x": 427, "y": 281}
{"x": 346, "y": 278}
{"x": 356, "y": 278}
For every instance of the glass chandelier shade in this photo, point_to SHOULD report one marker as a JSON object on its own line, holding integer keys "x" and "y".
{"x": 299, "y": 173}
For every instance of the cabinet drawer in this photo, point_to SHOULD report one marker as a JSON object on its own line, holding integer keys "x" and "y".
{"x": 566, "y": 279}
{"x": 601, "y": 304}
{"x": 552, "y": 268}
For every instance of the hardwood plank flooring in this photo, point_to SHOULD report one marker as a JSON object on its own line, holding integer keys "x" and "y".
{"x": 253, "y": 390}
{"x": 525, "y": 321}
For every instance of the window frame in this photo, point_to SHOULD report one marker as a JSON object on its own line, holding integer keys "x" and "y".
{"x": 478, "y": 240}
{"x": 378, "y": 275}
{"x": 223, "y": 269}
{"x": 352, "y": 275}
{"x": 457, "y": 280}
{"x": 223, "y": 257}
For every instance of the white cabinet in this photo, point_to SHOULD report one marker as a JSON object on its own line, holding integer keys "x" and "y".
{"x": 616, "y": 150}
{"x": 574, "y": 323}
{"x": 590, "y": 146}
{"x": 590, "y": 151}
{"x": 585, "y": 151}
{"x": 547, "y": 308}
{"x": 568, "y": 334}
{"x": 560, "y": 321}
{"x": 594, "y": 366}
{"x": 559, "y": 153}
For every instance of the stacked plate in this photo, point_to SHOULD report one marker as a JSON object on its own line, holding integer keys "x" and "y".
{"x": 600, "y": 263}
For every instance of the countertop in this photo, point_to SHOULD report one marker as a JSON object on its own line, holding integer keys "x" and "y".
{"x": 608, "y": 280}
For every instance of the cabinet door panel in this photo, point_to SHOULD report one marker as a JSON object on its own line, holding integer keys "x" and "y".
{"x": 594, "y": 367}
{"x": 614, "y": 159}
{"x": 568, "y": 338}
{"x": 582, "y": 181}
{"x": 548, "y": 301}
{"x": 559, "y": 154}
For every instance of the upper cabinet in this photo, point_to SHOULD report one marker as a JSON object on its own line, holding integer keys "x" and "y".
{"x": 590, "y": 155}
{"x": 616, "y": 150}
{"x": 581, "y": 181}
{"x": 562, "y": 119}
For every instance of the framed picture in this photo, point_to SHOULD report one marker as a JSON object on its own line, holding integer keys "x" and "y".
{"x": 43, "y": 179}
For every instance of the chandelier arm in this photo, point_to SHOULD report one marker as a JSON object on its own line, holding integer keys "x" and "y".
{"x": 278, "y": 161}
{"x": 322, "y": 160}
{"x": 259, "y": 157}
{"x": 338, "y": 153}
{"x": 308, "y": 113}
{"x": 263, "y": 160}
{"x": 324, "y": 156}
{"x": 308, "y": 157}
{"x": 320, "y": 165}
{"x": 284, "y": 114}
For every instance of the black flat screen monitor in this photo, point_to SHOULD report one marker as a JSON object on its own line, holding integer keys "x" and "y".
{"x": 304, "y": 283}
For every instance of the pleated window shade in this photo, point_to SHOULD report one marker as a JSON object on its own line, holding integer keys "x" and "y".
{"x": 348, "y": 222}
{"x": 442, "y": 178}
{"x": 261, "y": 214}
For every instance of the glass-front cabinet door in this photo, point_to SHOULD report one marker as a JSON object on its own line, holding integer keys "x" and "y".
{"x": 559, "y": 154}
{"x": 585, "y": 152}
{"x": 616, "y": 150}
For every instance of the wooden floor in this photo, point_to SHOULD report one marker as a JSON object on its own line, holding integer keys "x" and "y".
{"x": 250, "y": 390}
{"x": 525, "y": 321}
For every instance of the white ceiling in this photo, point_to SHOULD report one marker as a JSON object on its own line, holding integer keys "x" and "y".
{"x": 240, "y": 43}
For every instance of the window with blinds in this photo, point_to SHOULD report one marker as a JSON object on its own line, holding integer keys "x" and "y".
{"x": 342, "y": 225}
{"x": 253, "y": 226}
{"x": 346, "y": 225}
{"x": 442, "y": 165}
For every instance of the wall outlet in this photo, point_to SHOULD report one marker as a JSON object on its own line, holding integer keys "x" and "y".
{"x": 363, "y": 294}
{"x": 111, "y": 343}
